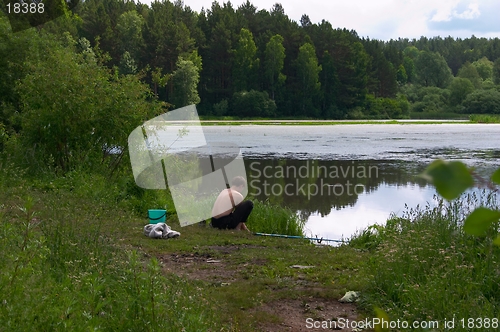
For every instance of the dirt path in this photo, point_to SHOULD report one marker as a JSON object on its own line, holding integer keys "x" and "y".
{"x": 285, "y": 314}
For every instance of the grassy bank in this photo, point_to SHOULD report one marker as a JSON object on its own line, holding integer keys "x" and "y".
{"x": 485, "y": 118}
{"x": 63, "y": 267}
{"x": 426, "y": 268}
{"x": 73, "y": 257}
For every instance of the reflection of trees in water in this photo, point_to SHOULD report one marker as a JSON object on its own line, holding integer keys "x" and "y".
{"x": 316, "y": 186}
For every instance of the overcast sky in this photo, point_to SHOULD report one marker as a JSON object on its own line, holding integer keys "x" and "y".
{"x": 386, "y": 19}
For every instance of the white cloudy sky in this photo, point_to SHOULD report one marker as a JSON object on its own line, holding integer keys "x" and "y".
{"x": 386, "y": 19}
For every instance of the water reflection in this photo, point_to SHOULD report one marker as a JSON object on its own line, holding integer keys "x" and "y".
{"x": 371, "y": 208}
{"x": 339, "y": 197}
{"x": 316, "y": 187}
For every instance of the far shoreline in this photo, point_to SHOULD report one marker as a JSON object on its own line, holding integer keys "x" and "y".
{"x": 330, "y": 122}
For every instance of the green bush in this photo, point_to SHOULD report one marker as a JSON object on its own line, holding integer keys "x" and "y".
{"x": 252, "y": 104}
{"x": 483, "y": 102}
{"x": 460, "y": 88}
{"x": 220, "y": 108}
{"x": 386, "y": 108}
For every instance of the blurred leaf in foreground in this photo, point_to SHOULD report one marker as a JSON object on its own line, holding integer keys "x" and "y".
{"x": 496, "y": 176}
{"x": 478, "y": 222}
{"x": 383, "y": 320}
{"x": 451, "y": 179}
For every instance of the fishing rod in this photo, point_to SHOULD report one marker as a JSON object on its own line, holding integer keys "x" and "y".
{"x": 318, "y": 240}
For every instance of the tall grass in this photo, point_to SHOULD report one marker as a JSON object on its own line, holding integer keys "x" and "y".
{"x": 485, "y": 118}
{"x": 62, "y": 267}
{"x": 269, "y": 218}
{"x": 426, "y": 267}
{"x": 438, "y": 116}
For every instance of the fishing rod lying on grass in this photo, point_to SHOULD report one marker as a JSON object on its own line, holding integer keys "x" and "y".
{"x": 318, "y": 240}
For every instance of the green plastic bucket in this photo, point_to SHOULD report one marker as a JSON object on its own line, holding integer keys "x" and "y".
{"x": 156, "y": 216}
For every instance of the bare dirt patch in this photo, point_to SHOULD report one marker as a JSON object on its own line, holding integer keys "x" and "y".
{"x": 198, "y": 267}
{"x": 294, "y": 315}
{"x": 281, "y": 315}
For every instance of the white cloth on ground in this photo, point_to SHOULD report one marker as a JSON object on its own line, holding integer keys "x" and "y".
{"x": 160, "y": 231}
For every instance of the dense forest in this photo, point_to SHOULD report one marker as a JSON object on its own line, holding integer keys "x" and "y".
{"x": 240, "y": 62}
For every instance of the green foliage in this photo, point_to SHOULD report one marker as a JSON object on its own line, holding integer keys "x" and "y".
{"x": 427, "y": 268}
{"x": 272, "y": 219}
{"x": 480, "y": 220}
{"x": 129, "y": 29}
{"x": 411, "y": 52}
{"x": 127, "y": 64}
{"x": 401, "y": 75}
{"x": 61, "y": 268}
{"x": 483, "y": 102}
{"x": 383, "y": 75}
{"x": 468, "y": 71}
{"x": 410, "y": 71}
{"x": 432, "y": 70}
{"x": 75, "y": 112}
{"x": 451, "y": 179}
{"x": 4, "y": 137}
{"x": 308, "y": 71}
{"x": 386, "y": 108}
{"x": 428, "y": 99}
{"x": 246, "y": 63}
{"x": 274, "y": 62}
{"x": 221, "y": 108}
{"x": 460, "y": 88}
{"x": 481, "y": 118}
{"x": 496, "y": 71}
{"x": 484, "y": 68}
{"x": 252, "y": 104}
{"x": 138, "y": 38}
{"x": 185, "y": 81}
{"x": 369, "y": 238}
{"x": 351, "y": 62}
{"x": 14, "y": 50}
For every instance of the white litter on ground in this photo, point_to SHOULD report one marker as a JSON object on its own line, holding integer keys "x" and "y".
{"x": 160, "y": 231}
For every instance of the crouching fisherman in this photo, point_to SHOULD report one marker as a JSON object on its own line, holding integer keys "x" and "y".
{"x": 230, "y": 211}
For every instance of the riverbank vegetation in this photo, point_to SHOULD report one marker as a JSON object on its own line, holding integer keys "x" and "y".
{"x": 73, "y": 256}
{"x": 485, "y": 118}
{"x": 425, "y": 267}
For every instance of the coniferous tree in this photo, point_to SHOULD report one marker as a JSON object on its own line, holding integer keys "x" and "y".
{"x": 329, "y": 85}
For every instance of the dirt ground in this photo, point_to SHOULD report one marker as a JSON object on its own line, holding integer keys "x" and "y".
{"x": 292, "y": 314}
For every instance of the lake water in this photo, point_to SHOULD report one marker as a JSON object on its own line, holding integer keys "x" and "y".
{"x": 344, "y": 178}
